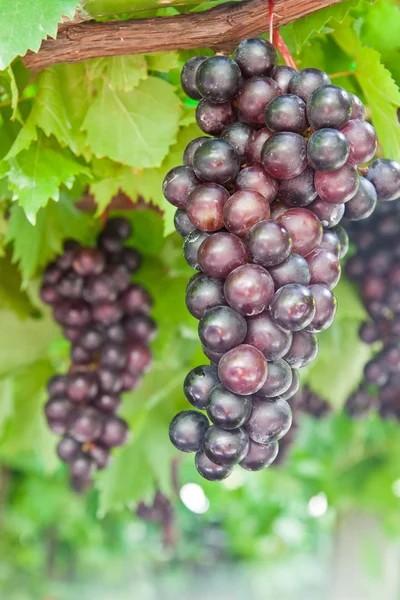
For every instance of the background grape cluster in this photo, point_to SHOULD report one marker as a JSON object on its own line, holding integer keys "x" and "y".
{"x": 259, "y": 206}
{"x": 106, "y": 318}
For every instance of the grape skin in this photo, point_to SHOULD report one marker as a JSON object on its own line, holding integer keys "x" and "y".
{"x": 293, "y": 307}
{"x": 177, "y": 185}
{"x": 218, "y": 79}
{"x": 384, "y": 174}
{"x": 204, "y": 293}
{"x": 210, "y": 470}
{"x": 187, "y": 430}
{"x": 249, "y": 289}
{"x": 227, "y": 410}
{"x": 259, "y": 456}
{"x": 269, "y": 421}
{"x": 328, "y": 150}
{"x": 221, "y": 329}
{"x": 303, "y": 350}
{"x": 362, "y": 141}
{"x": 225, "y": 448}
{"x": 238, "y": 134}
{"x": 188, "y": 77}
{"x": 221, "y": 253}
{"x": 255, "y": 178}
{"x": 265, "y": 335}
{"x": 204, "y": 206}
{"x": 279, "y": 379}
{"x": 305, "y": 81}
{"x": 299, "y": 191}
{"x": 329, "y": 106}
{"x": 294, "y": 269}
{"x": 255, "y": 57}
{"x": 243, "y": 370}
{"x": 282, "y": 75}
{"x": 304, "y": 227}
{"x": 324, "y": 267}
{"x": 214, "y": 118}
{"x": 253, "y": 97}
{"x": 284, "y": 155}
{"x": 216, "y": 161}
{"x": 269, "y": 243}
{"x": 198, "y": 385}
{"x": 244, "y": 209}
{"x": 338, "y": 186}
{"x": 286, "y": 113}
{"x": 363, "y": 203}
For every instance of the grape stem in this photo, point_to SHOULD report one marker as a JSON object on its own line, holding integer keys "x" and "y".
{"x": 342, "y": 74}
{"x": 284, "y": 50}
{"x": 271, "y": 20}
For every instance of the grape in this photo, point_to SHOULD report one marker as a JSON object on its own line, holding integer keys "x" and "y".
{"x": 300, "y": 190}
{"x": 305, "y": 81}
{"x": 221, "y": 329}
{"x": 269, "y": 243}
{"x": 384, "y": 174}
{"x": 113, "y": 356}
{"x": 292, "y": 389}
{"x": 253, "y": 97}
{"x": 191, "y": 247}
{"x": 49, "y": 294}
{"x": 72, "y": 334}
{"x": 279, "y": 379}
{"x": 210, "y": 470}
{"x": 282, "y": 75}
{"x": 115, "y": 432}
{"x": 249, "y": 289}
{"x": 56, "y": 386}
{"x": 187, "y": 430}
{"x": 198, "y": 384}
{"x": 100, "y": 288}
{"x": 107, "y": 313}
{"x": 80, "y": 356}
{"x": 228, "y": 410}
{"x": 278, "y": 208}
{"x": 286, "y": 113}
{"x": 216, "y": 161}
{"x": 68, "y": 449}
{"x": 177, "y": 185}
{"x": 182, "y": 223}
{"x": 238, "y": 134}
{"x": 110, "y": 381}
{"x": 100, "y": 455}
{"x": 65, "y": 260}
{"x": 225, "y": 448}
{"x": 324, "y": 267}
{"x": 128, "y": 258}
{"x": 304, "y": 228}
{"x": 138, "y": 358}
{"x": 116, "y": 333}
{"x": 70, "y": 286}
{"x": 259, "y": 456}
{"x": 255, "y": 145}
{"x": 244, "y": 209}
{"x": 72, "y": 314}
{"x": 81, "y": 467}
{"x": 52, "y": 274}
{"x": 108, "y": 403}
{"x": 374, "y": 287}
{"x": 243, "y": 370}
{"x": 218, "y": 78}
{"x": 88, "y": 261}
{"x": 269, "y": 421}
{"x": 141, "y": 328}
{"x": 303, "y": 350}
{"x": 214, "y": 357}
{"x": 87, "y": 424}
{"x": 188, "y": 76}
{"x": 81, "y": 387}
{"x": 362, "y": 141}
{"x": 58, "y": 427}
{"x": 118, "y": 226}
{"x": 120, "y": 275}
{"x": 329, "y": 214}
{"x": 130, "y": 381}
{"x": 369, "y": 333}
{"x": 330, "y": 241}
{"x": 110, "y": 244}
{"x": 358, "y": 111}
{"x": 204, "y": 293}
{"x": 294, "y": 269}
{"x": 375, "y": 374}
{"x": 221, "y": 253}
{"x": 58, "y": 409}
{"x": 255, "y": 56}
{"x": 255, "y": 178}
{"x": 293, "y": 307}
{"x": 363, "y": 204}
{"x": 136, "y": 299}
{"x": 204, "y": 206}
{"x": 338, "y": 186}
{"x": 327, "y": 150}
{"x": 284, "y": 155}
{"x": 213, "y": 118}
{"x": 265, "y": 335}
{"x": 343, "y": 239}
{"x": 191, "y": 149}
{"x": 329, "y": 106}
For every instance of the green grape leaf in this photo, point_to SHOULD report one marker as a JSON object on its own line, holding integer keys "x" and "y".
{"x": 11, "y": 295}
{"x": 36, "y": 174}
{"x": 163, "y": 61}
{"x": 24, "y": 24}
{"x": 34, "y": 246}
{"x": 338, "y": 368}
{"x": 134, "y": 128}
{"x": 119, "y": 72}
{"x": 6, "y": 402}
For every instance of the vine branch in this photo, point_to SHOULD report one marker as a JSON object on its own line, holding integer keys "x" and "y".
{"x": 220, "y": 28}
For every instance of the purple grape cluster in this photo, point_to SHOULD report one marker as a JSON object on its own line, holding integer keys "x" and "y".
{"x": 106, "y": 318}
{"x": 375, "y": 267}
{"x": 259, "y": 205}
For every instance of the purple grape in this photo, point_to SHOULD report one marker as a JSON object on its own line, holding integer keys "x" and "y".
{"x": 110, "y": 381}
{"x": 265, "y": 335}
{"x": 80, "y": 356}
{"x": 284, "y": 155}
{"x": 255, "y": 178}
{"x": 191, "y": 149}
{"x": 329, "y": 106}
{"x": 191, "y": 247}
{"x": 304, "y": 228}
{"x": 218, "y": 79}
{"x": 269, "y": 421}
{"x": 110, "y": 244}
{"x": 139, "y": 358}
{"x": 49, "y": 294}
{"x": 221, "y": 329}
{"x": 294, "y": 269}
{"x": 73, "y": 313}
{"x": 330, "y": 241}
{"x": 253, "y": 97}
{"x": 256, "y": 144}
{"x": 136, "y": 299}
{"x": 113, "y": 356}
{"x": 361, "y": 137}
{"x": 358, "y": 111}
{"x": 375, "y": 373}
{"x": 225, "y": 448}
{"x": 221, "y": 253}
{"x": 130, "y": 381}
{"x": 329, "y": 214}
{"x": 91, "y": 339}
{"x": 100, "y": 455}
{"x": 327, "y": 150}
{"x": 187, "y": 430}
{"x": 68, "y": 449}
{"x": 255, "y": 57}
{"x": 214, "y": 118}
{"x": 244, "y": 209}
{"x": 81, "y": 468}
{"x": 177, "y": 185}
{"x": 188, "y": 76}
{"x": 59, "y": 427}
{"x": 108, "y": 403}
{"x": 269, "y": 243}
{"x": 204, "y": 206}
{"x": 324, "y": 267}
{"x": 249, "y": 289}
{"x": 107, "y": 313}
{"x": 286, "y": 113}
{"x": 243, "y": 370}
{"x": 259, "y": 456}
{"x": 341, "y": 233}
{"x": 183, "y": 225}
{"x": 293, "y": 388}
{"x": 87, "y": 424}
{"x": 338, "y": 186}
{"x": 384, "y": 174}
{"x": 303, "y": 350}
{"x": 81, "y": 387}
{"x": 56, "y": 386}
{"x": 282, "y": 75}
{"x": 238, "y": 135}
{"x": 204, "y": 293}
{"x": 278, "y": 208}
{"x": 52, "y": 274}
{"x": 70, "y": 285}
{"x": 216, "y": 161}
{"x": 305, "y": 81}
{"x": 58, "y": 409}
{"x": 141, "y": 328}
{"x": 299, "y": 191}
{"x": 214, "y": 357}
{"x": 210, "y": 470}
{"x": 198, "y": 384}
{"x": 72, "y": 334}
{"x": 228, "y": 410}
{"x": 120, "y": 275}
{"x": 279, "y": 379}
{"x": 369, "y": 333}
{"x": 293, "y": 307}
{"x": 115, "y": 432}
{"x": 116, "y": 333}
{"x": 88, "y": 261}
{"x": 100, "y": 288}
{"x": 118, "y": 226}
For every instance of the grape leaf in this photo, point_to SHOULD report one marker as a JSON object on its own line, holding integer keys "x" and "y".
{"x": 162, "y": 61}
{"x": 36, "y": 174}
{"x": 6, "y": 402}
{"x": 24, "y": 24}
{"x": 120, "y": 72}
{"x": 11, "y": 295}
{"x": 338, "y": 368}
{"x": 134, "y": 128}
{"x": 34, "y": 246}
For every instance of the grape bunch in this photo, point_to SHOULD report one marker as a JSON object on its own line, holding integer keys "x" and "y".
{"x": 375, "y": 267}
{"x": 259, "y": 200}
{"x": 106, "y": 319}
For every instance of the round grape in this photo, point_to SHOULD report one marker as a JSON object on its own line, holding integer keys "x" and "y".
{"x": 191, "y": 247}
{"x": 221, "y": 329}
{"x": 210, "y": 470}
{"x": 238, "y": 134}
{"x": 327, "y": 150}
{"x": 187, "y": 430}
{"x": 183, "y": 225}
{"x": 87, "y": 424}
{"x": 255, "y": 56}
{"x": 299, "y": 191}
{"x": 221, "y": 253}
{"x": 115, "y": 432}
{"x": 216, "y": 161}
{"x": 284, "y": 155}
{"x": 249, "y": 289}
{"x": 244, "y": 209}
{"x": 286, "y": 113}
{"x": 253, "y": 97}
{"x": 204, "y": 293}
{"x": 293, "y": 307}
{"x": 269, "y": 421}
{"x": 214, "y": 118}
{"x": 255, "y": 178}
{"x": 304, "y": 82}
{"x": 255, "y": 146}
{"x": 225, "y": 448}
{"x": 205, "y": 204}
{"x": 243, "y": 370}
{"x": 304, "y": 228}
{"x": 329, "y": 106}
{"x": 325, "y": 308}
{"x": 294, "y": 269}
{"x": 191, "y": 149}
{"x": 384, "y": 174}
{"x": 198, "y": 384}
{"x": 228, "y": 410}
{"x": 177, "y": 185}
{"x": 303, "y": 350}
{"x": 259, "y": 456}
{"x": 218, "y": 79}
{"x": 188, "y": 77}
{"x": 338, "y": 186}
{"x": 279, "y": 378}
{"x": 329, "y": 214}
{"x": 265, "y": 335}
{"x": 363, "y": 203}
{"x": 362, "y": 140}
